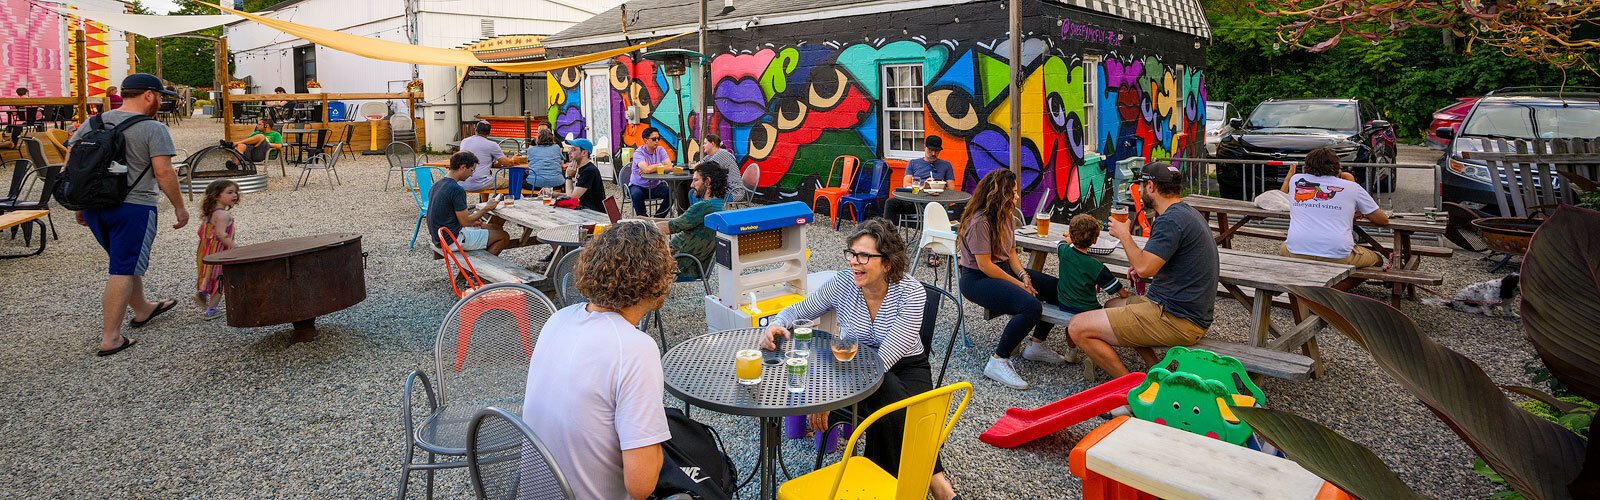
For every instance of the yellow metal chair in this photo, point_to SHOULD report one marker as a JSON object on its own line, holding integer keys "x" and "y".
{"x": 857, "y": 477}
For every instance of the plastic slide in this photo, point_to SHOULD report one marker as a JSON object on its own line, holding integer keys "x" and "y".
{"x": 1019, "y": 426}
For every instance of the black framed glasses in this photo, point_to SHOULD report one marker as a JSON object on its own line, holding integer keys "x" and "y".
{"x": 860, "y": 257}
{"x": 653, "y": 138}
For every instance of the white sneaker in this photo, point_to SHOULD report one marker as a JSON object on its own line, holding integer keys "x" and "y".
{"x": 1037, "y": 351}
{"x": 1000, "y": 371}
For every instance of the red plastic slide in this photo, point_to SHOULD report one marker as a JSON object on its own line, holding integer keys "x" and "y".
{"x": 1019, "y": 426}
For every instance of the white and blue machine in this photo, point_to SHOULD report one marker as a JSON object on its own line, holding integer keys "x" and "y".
{"x": 760, "y": 264}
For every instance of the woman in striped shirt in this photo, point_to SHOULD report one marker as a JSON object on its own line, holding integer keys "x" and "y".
{"x": 879, "y": 305}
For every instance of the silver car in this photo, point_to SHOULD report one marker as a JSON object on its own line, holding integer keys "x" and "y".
{"x": 1218, "y": 115}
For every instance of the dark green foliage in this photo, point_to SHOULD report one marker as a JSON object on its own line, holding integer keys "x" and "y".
{"x": 1408, "y": 76}
{"x": 184, "y": 61}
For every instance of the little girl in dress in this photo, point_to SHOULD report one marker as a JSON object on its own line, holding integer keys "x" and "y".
{"x": 216, "y": 235}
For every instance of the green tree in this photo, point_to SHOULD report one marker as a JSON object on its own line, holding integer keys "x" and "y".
{"x": 184, "y": 61}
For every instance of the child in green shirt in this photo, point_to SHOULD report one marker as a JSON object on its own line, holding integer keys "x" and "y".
{"x": 1081, "y": 275}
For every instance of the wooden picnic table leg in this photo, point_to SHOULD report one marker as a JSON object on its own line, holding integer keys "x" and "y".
{"x": 1225, "y": 237}
{"x": 1260, "y": 308}
{"x": 1301, "y": 314}
{"x": 1036, "y": 259}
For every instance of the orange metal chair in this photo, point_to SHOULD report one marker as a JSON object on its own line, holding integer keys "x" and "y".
{"x": 834, "y": 194}
{"x": 457, "y": 264}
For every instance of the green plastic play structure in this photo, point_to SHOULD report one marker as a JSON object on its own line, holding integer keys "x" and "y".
{"x": 1191, "y": 389}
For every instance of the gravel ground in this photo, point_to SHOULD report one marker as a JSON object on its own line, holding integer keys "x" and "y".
{"x": 200, "y": 409}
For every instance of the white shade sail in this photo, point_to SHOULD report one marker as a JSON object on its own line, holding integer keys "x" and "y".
{"x": 148, "y": 26}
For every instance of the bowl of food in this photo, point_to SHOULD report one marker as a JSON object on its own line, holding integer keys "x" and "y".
{"x": 936, "y": 186}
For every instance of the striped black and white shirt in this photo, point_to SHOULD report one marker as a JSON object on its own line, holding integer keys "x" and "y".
{"x": 895, "y": 332}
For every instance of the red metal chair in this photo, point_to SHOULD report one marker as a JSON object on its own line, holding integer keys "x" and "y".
{"x": 834, "y": 194}
{"x": 514, "y": 302}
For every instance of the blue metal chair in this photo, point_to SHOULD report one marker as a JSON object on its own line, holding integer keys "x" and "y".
{"x": 419, "y": 181}
{"x": 869, "y": 194}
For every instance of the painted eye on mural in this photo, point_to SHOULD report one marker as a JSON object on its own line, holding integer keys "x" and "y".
{"x": 791, "y": 114}
{"x": 1056, "y": 109}
{"x": 828, "y": 90}
{"x": 953, "y": 110}
{"x": 640, "y": 96}
{"x": 568, "y": 78}
{"x": 763, "y": 138}
{"x": 620, "y": 78}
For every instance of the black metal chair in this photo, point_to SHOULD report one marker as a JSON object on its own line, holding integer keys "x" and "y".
{"x": 19, "y": 171}
{"x": 507, "y": 461}
{"x": 349, "y": 132}
{"x": 37, "y": 188}
{"x": 930, "y": 323}
{"x": 564, "y": 271}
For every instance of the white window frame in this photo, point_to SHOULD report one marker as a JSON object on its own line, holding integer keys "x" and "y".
{"x": 1091, "y": 102}
{"x": 887, "y": 85}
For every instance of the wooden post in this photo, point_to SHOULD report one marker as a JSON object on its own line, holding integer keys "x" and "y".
{"x": 158, "y": 59}
{"x": 1014, "y": 96}
{"x": 325, "y": 110}
{"x": 83, "y": 74}
{"x": 222, "y": 88}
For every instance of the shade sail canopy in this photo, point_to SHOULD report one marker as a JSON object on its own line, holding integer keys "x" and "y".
{"x": 416, "y": 54}
{"x": 147, "y": 26}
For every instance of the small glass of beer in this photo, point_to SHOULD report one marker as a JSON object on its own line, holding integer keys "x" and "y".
{"x": 1042, "y": 220}
{"x": 1119, "y": 212}
{"x": 844, "y": 348}
{"x": 747, "y": 366}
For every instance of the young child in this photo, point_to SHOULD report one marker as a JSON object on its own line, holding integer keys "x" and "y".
{"x": 216, "y": 235}
{"x": 1082, "y": 275}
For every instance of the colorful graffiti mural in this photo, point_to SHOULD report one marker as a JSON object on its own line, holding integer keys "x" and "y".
{"x": 792, "y": 109}
{"x": 30, "y": 49}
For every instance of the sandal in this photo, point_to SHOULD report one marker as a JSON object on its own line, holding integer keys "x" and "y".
{"x": 162, "y": 307}
{"x": 126, "y": 343}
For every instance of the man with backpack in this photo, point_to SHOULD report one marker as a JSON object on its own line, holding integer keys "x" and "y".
{"x": 114, "y": 164}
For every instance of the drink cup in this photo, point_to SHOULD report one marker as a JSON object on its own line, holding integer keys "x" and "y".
{"x": 1043, "y": 221}
{"x": 797, "y": 368}
{"x": 802, "y": 334}
{"x": 747, "y": 366}
{"x": 1120, "y": 213}
{"x": 677, "y": 170}
{"x": 844, "y": 349}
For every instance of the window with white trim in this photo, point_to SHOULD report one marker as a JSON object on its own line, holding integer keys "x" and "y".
{"x": 902, "y": 110}
{"x": 1091, "y": 101}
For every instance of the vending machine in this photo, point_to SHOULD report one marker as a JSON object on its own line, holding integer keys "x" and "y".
{"x": 760, "y": 264}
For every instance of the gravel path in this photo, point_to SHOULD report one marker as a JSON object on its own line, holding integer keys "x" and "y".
{"x": 200, "y": 409}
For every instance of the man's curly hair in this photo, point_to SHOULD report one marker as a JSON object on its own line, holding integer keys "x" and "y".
{"x": 628, "y": 264}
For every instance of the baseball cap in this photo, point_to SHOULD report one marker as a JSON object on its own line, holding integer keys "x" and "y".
{"x": 934, "y": 142}
{"x": 1160, "y": 173}
{"x": 581, "y": 143}
{"x": 145, "y": 81}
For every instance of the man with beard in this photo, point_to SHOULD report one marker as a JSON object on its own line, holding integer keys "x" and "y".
{"x": 690, "y": 234}
{"x": 1181, "y": 258}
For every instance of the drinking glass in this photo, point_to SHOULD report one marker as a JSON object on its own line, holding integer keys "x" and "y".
{"x": 797, "y": 368}
{"x": 747, "y": 366}
{"x": 844, "y": 348}
{"x": 1042, "y": 220}
{"x": 802, "y": 334}
{"x": 1120, "y": 213}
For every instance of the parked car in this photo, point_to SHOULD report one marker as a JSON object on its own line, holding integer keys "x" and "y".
{"x": 1448, "y": 117}
{"x": 1510, "y": 115}
{"x": 1219, "y": 119}
{"x": 1285, "y": 130}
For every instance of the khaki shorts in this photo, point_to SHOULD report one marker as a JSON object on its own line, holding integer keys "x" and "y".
{"x": 1142, "y": 323}
{"x": 1360, "y": 257}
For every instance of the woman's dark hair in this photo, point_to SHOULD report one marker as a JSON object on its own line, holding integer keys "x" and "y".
{"x": 714, "y": 139}
{"x": 280, "y": 90}
{"x": 629, "y": 263}
{"x": 1322, "y": 162}
{"x": 716, "y": 178}
{"x": 896, "y": 260}
{"x": 994, "y": 199}
{"x": 546, "y": 137}
{"x": 213, "y": 190}
{"x": 463, "y": 159}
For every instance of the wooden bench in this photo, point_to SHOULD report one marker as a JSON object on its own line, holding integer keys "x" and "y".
{"x": 1280, "y": 235}
{"x": 1399, "y": 280}
{"x": 19, "y": 218}
{"x": 1258, "y": 360}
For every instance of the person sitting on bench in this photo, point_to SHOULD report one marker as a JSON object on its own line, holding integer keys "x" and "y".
{"x": 1181, "y": 258}
{"x": 1323, "y": 205}
{"x": 255, "y": 148}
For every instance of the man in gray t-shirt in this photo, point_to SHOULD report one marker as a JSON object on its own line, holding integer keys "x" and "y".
{"x": 127, "y": 230}
{"x": 489, "y": 156}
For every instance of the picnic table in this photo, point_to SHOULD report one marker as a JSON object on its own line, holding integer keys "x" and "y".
{"x": 1267, "y": 275}
{"x": 535, "y": 217}
{"x": 1404, "y": 257}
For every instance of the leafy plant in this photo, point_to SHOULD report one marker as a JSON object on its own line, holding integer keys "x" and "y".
{"x": 1536, "y": 457}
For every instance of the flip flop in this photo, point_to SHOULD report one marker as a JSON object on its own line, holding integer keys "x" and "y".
{"x": 126, "y": 343}
{"x": 162, "y": 307}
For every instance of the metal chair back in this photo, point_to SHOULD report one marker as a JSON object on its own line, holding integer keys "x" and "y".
{"x": 36, "y": 152}
{"x": 752, "y": 181}
{"x": 507, "y": 461}
{"x": 401, "y": 156}
{"x": 565, "y": 269}
{"x": 19, "y": 171}
{"x": 483, "y": 345}
{"x": 931, "y": 321}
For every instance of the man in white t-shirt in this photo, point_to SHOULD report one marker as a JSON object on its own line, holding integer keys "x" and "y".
{"x": 594, "y": 393}
{"x": 1324, "y": 203}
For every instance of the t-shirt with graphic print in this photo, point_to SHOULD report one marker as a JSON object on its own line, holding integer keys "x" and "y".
{"x": 1322, "y": 211}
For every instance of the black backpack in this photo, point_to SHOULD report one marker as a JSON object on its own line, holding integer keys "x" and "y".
{"x": 87, "y": 182}
{"x": 693, "y": 462}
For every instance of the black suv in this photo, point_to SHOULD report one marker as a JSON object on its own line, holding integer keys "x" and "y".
{"x": 1285, "y": 130}
{"x": 1513, "y": 115}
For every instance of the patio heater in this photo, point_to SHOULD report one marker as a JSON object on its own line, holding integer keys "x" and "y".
{"x": 675, "y": 63}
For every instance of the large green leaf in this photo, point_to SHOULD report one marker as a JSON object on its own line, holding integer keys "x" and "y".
{"x": 1327, "y": 454}
{"x": 1561, "y": 298}
{"x": 1537, "y": 457}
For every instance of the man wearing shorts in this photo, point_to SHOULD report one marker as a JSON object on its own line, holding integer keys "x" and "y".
{"x": 447, "y": 208}
{"x": 1181, "y": 257}
{"x": 127, "y": 230}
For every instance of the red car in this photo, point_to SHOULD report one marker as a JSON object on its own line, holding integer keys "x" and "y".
{"x": 1449, "y": 116}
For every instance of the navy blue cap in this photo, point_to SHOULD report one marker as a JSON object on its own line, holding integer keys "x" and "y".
{"x": 145, "y": 81}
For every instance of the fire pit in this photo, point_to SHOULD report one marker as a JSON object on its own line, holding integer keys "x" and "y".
{"x": 1507, "y": 235}
{"x": 212, "y": 163}
{"x": 292, "y": 281}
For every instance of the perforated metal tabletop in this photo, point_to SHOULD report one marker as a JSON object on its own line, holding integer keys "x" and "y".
{"x": 700, "y": 372}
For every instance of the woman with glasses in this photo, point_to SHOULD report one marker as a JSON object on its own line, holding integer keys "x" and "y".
{"x": 648, "y": 158}
{"x": 993, "y": 277}
{"x": 878, "y": 304}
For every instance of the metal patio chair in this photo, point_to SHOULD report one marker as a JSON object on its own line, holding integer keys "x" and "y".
{"x": 507, "y": 461}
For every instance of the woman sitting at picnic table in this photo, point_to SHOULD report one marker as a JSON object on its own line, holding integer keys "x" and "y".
{"x": 1323, "y": 205}
{"x": 880, "y": 305}
{"x": 545, "y": 162}
{"x": 690, "y": 234}
{"x": 993, "y": 277}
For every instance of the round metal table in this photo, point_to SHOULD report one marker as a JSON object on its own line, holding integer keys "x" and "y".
{"x": 948, "y": 198}
{"x": 679, "y": 183}
{"x": 560, "y": 236}
{"x": 699, "y": 371}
